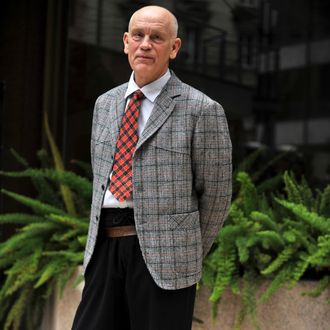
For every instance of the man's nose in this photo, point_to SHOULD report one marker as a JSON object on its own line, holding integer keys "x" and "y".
{"x": 146, "y": 43}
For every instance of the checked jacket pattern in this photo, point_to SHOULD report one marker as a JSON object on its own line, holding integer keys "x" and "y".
{"x": 121, "y": 180}
{"x": 181, "y": 178}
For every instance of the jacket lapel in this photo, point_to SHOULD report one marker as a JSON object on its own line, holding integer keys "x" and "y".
{"x": 163, "y": 108}
{"x": 116, "y": 106}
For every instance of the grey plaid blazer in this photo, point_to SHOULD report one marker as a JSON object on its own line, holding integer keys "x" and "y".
{"x": 181, "y": 178}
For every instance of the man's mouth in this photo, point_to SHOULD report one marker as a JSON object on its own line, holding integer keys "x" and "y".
{"x": 143, "y": 57}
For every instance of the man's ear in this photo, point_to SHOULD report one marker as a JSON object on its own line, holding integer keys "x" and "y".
{"x": 125, "y": 41}
{"x": 175, "y": 48}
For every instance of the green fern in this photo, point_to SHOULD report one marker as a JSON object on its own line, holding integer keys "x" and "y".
{"x": 323, "y": 284}
{"x": 292, "y": 189}
{"x": 35, "y": 205}
{"x": 271, "y": 239}
{"x": 225, "y": 268}
{"x": 277, "y": 282}
{"x": 48, "y": 245}
{"x": 325, "y": 202}
{"x": 315, "y": 220}
{"x": 276, "y": 236}
{"x": 283, "y": 257}
{"x": 321, "y": 257}
{"x": 19, "y": 218}
{"x": 248, "y": 302}
{"x": 15, "y": 314}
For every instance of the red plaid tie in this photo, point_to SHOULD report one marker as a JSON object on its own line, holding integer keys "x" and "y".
{"x": 121, "y": 179}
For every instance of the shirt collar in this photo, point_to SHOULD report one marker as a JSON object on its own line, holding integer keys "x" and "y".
{"x": 150, "y": 91}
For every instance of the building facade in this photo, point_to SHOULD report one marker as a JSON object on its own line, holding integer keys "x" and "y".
{"x": 266, "y": 62}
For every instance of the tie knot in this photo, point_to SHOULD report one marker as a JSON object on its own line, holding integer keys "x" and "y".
{"x": 138, "y": 95}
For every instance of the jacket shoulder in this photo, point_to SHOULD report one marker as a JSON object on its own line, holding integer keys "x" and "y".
{"x": 111, "y": 93}
{"x": 189, "y": 93}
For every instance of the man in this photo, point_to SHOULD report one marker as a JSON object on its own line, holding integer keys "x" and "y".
{"x": 161, "y": 157}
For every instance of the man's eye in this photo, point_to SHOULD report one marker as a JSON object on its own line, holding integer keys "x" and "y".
{"x": 137, "y": 36}
{"x": 156, "y": 38}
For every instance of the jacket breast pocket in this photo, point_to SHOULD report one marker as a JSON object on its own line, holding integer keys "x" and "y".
{"x": 176, "y": 142}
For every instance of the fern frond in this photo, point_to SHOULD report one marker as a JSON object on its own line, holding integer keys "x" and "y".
{"x": 52, "y": 268}
{"x": 325, "y": 202}
{"x": 237, "y": 215}
{"x": 46, "y": 192}
{"x": 306, "y": 195}
{"x": 299, "y": 270}
{"x": 249, "y": 304}
{"x": 19, "y": 218}
{"x": 22, "y": 272}
{"x": 316, "y": 221}
{"x": 284, "y": 256}
{"x": 19, "y": 240}
{"x": 71, "y": 257}
{"x": 242, "y": 248}
{"x": 70, "y": 221}
{"x": 67, "y": 235}
{"x": 291, "y": 188}
{"x": 65, "y": 191}
{"x": 305, "y": 240}
{"x": 9, "y": 258}
{"x": 38, "y": 228}
{"x": 72, "y": 180}
{"x": 270, "y": 238}
{"x": 264, "y": 220}
{"x": 281, "y": 278}
{"x": 321, "y": 257}
{"x": 322, "y": 284}
{"x": 226, "y": 267}
{"x": 13, "y": 319}
{"x": 248, "y": 195}
{"x": 38, "y": 207}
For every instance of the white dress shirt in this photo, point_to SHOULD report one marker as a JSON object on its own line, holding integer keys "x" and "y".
{"x": 150, "y": 91}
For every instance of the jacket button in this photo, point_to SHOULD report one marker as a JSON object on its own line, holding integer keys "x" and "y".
{"x": 97, "y": 218}
{"x": 103, "y": 187}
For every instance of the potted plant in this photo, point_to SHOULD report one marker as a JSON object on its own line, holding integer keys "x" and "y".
{"x": 273, "y": 239}
{"x": 43, "y": 254}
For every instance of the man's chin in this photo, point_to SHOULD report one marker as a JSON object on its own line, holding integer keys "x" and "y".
{"x": 142, "y": 66}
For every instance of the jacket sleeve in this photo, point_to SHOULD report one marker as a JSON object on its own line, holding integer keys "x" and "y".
{"x": 212, "y": 167}
{"x": 93, "y": 132}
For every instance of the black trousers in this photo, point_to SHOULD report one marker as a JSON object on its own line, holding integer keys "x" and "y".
{"x": 119, "y": 292}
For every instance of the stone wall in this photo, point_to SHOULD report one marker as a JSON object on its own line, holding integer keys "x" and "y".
{"x": 285, "y": 310}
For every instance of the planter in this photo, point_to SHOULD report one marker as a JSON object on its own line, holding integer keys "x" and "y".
{"x": 60, "y": 310}
{"x": 286, "y": 309}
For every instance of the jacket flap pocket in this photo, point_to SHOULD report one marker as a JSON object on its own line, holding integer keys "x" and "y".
{"x": 163, "y": 142}
{"x": 184, "y": 220}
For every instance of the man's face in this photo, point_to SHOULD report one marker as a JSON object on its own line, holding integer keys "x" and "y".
{"x": 150, "y": 44}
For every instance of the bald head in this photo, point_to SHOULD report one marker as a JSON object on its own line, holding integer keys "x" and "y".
{"x": 151, "y": 42}
{"x": 156, "y": 11}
